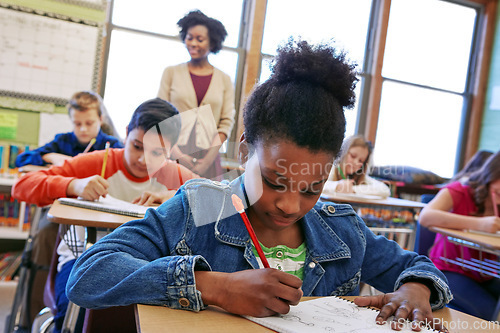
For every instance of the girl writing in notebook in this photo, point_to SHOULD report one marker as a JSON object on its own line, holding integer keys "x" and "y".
{"x": 139, "y": 173}
{"x": 194, "y": 250}
{"x": 469, "y": 204}
{"x": 350, "y": 173}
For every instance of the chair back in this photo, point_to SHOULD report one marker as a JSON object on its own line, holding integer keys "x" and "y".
{"x": 424, "y": 238}
{"x": 49, "y": 294}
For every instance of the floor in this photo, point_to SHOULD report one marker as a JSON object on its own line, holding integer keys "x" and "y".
{"x": 7, "y": 291}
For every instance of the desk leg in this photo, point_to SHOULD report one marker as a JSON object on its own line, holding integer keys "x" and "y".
{"x": 70, "y": 318}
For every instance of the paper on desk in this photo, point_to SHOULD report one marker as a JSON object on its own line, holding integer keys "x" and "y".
{"x": 108, "y": 204}
{"x": 330, "y": 194}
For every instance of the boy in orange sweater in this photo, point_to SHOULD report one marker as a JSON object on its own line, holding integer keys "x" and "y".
{"x": 139, "y": 173}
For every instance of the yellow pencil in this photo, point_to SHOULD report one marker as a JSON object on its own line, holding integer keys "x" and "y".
{"x": 105, "y": 160}
{"x": 91, "y": 143}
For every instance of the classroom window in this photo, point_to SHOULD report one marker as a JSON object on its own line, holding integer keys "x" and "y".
{"x": 144, "y": 40}
{"x": 425, "y": 80}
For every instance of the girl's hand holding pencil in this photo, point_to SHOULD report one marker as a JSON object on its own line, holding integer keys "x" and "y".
{"x": 254, "y": 292}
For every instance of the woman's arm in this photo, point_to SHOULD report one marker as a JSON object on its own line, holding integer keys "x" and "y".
{"x": 437, "y": 214}
{"x": 203, "y": 164}
{"x": 165, "y": 83}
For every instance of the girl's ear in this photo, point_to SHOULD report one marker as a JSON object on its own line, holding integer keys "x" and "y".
{"x": 243, "y": 150}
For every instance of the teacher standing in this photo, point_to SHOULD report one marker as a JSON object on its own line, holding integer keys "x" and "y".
{"x": 198, "y": 83}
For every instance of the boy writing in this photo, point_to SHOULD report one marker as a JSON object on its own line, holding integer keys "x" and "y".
{"x": 127, "y": 175}
{"x": 85, "y": 111}
{"x": 194, "y": 250}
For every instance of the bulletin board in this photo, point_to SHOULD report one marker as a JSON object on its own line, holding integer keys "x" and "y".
{"x": 47, "y": 57}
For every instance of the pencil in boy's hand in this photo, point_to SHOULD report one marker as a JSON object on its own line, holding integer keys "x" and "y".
{"x": 103, "y": 171}
{"x": 240, "y": 209}
{"x": 91, "y": 143}
{"x": 494, "y": 202}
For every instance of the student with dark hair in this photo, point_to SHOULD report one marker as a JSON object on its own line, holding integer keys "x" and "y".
{"x": 198, "y": 83}
{"x": 85, "y": 109}
{"x": 475, "y": 163}
{"x": 139, "y": 173}
{"x": 194, "y": 250}
{"x": 467, "y": 205}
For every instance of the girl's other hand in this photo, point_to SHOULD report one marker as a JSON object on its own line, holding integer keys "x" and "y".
{"x": 409, "y": 302}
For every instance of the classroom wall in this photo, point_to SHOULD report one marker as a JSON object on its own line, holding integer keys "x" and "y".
{"x": 490, "y": 127}
{"x": 30, "y": 115}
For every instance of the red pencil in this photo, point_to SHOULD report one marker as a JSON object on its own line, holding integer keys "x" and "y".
{"x": 494, "y": 201}
{"x": 238, "y": 204}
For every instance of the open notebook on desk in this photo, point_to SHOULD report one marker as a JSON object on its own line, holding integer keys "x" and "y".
{"x": 329, "y": 193}
{"x": 108, "y": 204}
{"x": 327, "y": 314}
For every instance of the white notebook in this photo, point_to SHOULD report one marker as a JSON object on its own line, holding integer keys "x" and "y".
{"x": 109, "y": 205}
{"x": 328, "y": 314}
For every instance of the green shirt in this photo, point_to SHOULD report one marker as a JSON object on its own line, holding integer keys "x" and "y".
{"x": 284, "y": 258}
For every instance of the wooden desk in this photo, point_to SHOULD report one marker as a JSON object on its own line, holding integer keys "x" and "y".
{"x": 70, "y": 215}
{"x": 387, "y": 202}
{"x": 478, "y": 241}
{"x": 157, "y": 319}
{"x": 66, "y": 216}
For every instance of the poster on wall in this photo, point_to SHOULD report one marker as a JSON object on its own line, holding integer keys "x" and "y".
{"x": 46, "y": 57}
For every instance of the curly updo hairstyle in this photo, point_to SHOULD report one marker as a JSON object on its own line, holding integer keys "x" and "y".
{"x": 216, "y": 30}
{"x": 304, "y": 99}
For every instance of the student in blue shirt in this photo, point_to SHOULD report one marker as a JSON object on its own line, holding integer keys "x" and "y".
{"x": 194, "y": 250}
{"x": 85, "y": 111}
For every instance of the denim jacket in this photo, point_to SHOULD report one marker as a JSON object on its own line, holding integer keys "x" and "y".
{"x": 152, "y": 261}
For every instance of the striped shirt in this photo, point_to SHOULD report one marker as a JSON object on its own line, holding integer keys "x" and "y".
{"x": 284, "y": 258}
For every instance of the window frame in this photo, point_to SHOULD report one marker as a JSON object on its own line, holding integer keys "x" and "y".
{"x": 474, "y": 93}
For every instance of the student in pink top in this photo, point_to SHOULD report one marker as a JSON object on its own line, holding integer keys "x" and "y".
{"x": 467, "y": 205}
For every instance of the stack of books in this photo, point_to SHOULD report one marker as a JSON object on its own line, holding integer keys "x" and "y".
{"x": 9, "y": 265}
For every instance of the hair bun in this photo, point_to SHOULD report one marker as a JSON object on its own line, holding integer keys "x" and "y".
{"x": 320, "y": 64}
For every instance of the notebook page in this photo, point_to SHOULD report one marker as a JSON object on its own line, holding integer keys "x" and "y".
{"x": 327, "y": 314}
{"x": 108, "y": 204}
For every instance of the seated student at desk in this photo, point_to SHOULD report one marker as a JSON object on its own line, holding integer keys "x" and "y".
{"x": 194, "y": 250}
{"x": 350, "y": 172}
{"x": 467, "y": 206}
{"x": 127, "y": 176}
{"x": 89, "y": 118}
{"x": 85, "y": 109}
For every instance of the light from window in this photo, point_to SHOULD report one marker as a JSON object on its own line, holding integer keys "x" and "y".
{"x": 429, "y": 43}
{"x": 418, "y": 127}
{"x": 346, "y": 22}
{"x": 161, "y": 16}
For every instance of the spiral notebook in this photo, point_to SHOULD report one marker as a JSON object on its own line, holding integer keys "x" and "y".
{"x": 328, "y": 314}
{"x": 108, "y": 205}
